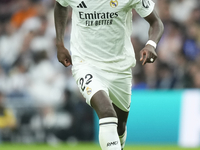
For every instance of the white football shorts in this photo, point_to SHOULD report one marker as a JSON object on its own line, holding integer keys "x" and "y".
{"x": 90, "y": 80}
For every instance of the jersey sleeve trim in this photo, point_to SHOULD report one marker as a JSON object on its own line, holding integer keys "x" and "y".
{"x": 63, "y": 3}
{"x": 149, "y": 12}
{"x": 144, "y": 7}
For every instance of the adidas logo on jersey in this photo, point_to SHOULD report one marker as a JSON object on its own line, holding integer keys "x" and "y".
{"x": 82, "y": 5}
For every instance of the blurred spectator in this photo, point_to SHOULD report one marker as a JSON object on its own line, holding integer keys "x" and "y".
{"x": 191, "y": 47}
{"x": 9, "y": 52}
{"x": 7, "y": 8}
{"x": 165, "y": 78}
{"x": 163, "y": 8}
{"x": 178, "y": 6}
{"x": 45, "y": 83}
{"x": 18, "y": 80}
{"x": 139, "y": 81}
{"x": 3, "y": 81}
{"x": 196, "y": 79}
{"x": 180, "y": 72}
{"x": 168, "y": 52}
{"x": 194, "y": 16}
{"x": 7, "y": 120}
{"x": 81, "y": 114}
{"x": 193, "y": 75}
{"x": 41, "y": 39}
{"x": 27, "y": 10}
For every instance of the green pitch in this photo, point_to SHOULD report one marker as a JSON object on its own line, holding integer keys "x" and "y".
{"x": 84, "y": 146}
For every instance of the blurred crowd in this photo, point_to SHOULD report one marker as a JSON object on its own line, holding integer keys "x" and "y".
{"x": 30, "y": 74}
{"x": 36, "y": 88}
{"x": 178, "y": 62}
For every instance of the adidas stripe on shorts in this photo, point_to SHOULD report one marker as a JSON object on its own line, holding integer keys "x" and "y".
{"x": 90, "y": 80}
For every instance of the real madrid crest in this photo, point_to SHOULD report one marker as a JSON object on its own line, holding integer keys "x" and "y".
{"x": 89, "y": 90}
{"x": 113, "y": 3}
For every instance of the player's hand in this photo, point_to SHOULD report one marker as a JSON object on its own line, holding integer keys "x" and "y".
{"x": 148, "y": 54}
{"x": 63, "y": 56}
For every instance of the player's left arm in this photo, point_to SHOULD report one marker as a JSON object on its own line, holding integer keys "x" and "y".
{"x": 148, "y": 54}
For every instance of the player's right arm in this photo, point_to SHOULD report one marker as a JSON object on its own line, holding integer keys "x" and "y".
{"x": 60, "y": 17}
{"x": 145, "y": 8}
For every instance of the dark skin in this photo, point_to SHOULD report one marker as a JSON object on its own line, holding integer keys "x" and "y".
{"x": 60, "y": 16}
{"x": 100, "y": 101}
{"x": 155, "y": 33}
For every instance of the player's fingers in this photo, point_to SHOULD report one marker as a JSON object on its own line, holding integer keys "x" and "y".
{"x": 141, "y": 58}
{"x": 152, "y": 57}
{"x": 142, "y": 54}
{"x": 146, "y": 59}
{"x": 66, "y": 63}
{"x": 62, "y": 62}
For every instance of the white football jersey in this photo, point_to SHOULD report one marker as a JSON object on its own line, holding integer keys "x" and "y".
{"x": 101, "y": 31}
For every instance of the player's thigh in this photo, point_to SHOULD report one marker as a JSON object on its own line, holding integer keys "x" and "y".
{"x": 102, "y": 105}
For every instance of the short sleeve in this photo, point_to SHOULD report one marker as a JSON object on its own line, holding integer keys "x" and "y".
{"x": 63, "y": 2}
{"x": 143, "y": 7}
